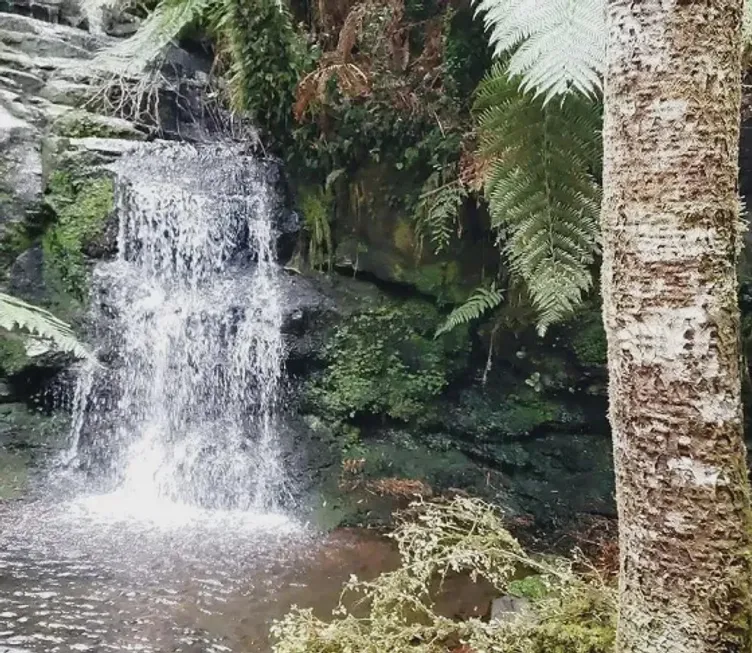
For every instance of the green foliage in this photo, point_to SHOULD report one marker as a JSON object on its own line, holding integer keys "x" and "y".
{"x": 81, "y": 205}
{"x": 467, "y": 56}
{"x": 478, "y": 304}
{"x": 316, "y": 205}
{"x": 438, "y": 211}
{"x": 576, "y": 614}
{"x": 542, "y": 195}
{"x": 385, "y": 361}
{"x": 555, "y": 46}
{"x": 588, "y": 338}
{"x": 264, "y": 58}
{"x": 17, "y": 315}
{"x": 533, "y": 586}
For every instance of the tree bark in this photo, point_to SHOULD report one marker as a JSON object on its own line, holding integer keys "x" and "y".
{"x": 670, "y": 238}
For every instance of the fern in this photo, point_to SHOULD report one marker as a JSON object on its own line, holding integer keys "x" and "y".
{"x": 315, "y": 204}
{"x": 542, "y": 196}
{"x": 555, "y": 45}
{"x": 480, "y": 302}
{"x": 164, "y": 24}
{"x": 437, "y": 213}
{"x": 17, "y": 314}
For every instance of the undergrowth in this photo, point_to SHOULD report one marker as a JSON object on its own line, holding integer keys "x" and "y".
{"x": 571, "y": 610}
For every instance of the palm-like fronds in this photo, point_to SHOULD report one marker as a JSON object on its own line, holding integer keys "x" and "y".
{"x": 480, "y": 302}
{"x": 17, "y": 314}
{"x": 542, "y": 196}
{"x": 555, "y": 45}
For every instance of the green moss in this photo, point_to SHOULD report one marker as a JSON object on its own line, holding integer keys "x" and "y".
{"x": 404, "y": 237}
{"x": 386, "y": 361}
{"x": 441, "y": 280}
{"x": 531, "y": 587}
{"x": 588, "y": 339}
{"x": 83, "y": 124}
{"x": 584, "y": 623}
{"x": 81, "y": 205}
{"x": 13, "y": 356}
{"x": 17, "y": 238}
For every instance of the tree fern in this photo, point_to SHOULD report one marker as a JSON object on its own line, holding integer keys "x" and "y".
{"x": 163, "y": 25}
{"x": 437, "y": 213}
{"x": 17, "y": 314}
{"x": 480, "y": 302}
{"x": 555, "y": 45}
{"x": 542, "y": 196}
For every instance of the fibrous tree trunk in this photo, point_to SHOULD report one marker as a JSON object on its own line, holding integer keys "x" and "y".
{"x": 670, "y": 238}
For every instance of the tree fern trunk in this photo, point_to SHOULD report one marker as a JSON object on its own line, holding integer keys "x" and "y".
{"x": 669, "y": 290}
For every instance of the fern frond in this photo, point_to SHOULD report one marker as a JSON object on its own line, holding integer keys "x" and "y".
{"x": 480, "y": 302}
{"x": 556, "y": 45}
{"x": 17, "y": 314}
{"x": 164, "y": 24}
{"x": 437, "y": 213}
{"x": 542, "y": 196}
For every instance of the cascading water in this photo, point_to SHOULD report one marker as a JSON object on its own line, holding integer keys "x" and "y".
{"x": 189, "y": 319}
{"x": 181, "y": 542}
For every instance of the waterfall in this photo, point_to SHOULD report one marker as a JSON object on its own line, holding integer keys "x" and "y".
{"x": 187, "y": 319}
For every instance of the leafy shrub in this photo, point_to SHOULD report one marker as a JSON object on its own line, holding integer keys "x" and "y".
{"x": 386, "y": 361}
{"x": 576, "y": 613}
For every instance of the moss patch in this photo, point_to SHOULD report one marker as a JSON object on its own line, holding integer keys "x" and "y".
{"x": 81, "y": 204}
{"x": 83, "y": 124}
{"x": 588, "y": 339}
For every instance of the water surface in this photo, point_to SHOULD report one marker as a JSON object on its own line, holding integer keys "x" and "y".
{"x": 98, "y": 574}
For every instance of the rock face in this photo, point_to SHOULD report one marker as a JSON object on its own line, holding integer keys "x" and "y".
{"x": 56, "y": 143}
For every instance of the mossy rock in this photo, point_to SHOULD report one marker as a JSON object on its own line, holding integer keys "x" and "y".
{"x": 495, "y": 411}
{"x": 81, "y": 200}
{"x": 25, "y": 429}
{"x": 84, "y": 124}
{"x": 374, "y": 231}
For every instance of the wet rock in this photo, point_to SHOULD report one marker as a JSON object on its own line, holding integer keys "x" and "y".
{"x": 20, "y": 170}
{"x": 26, "y": 276}
{"x": 376, "y": 235}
